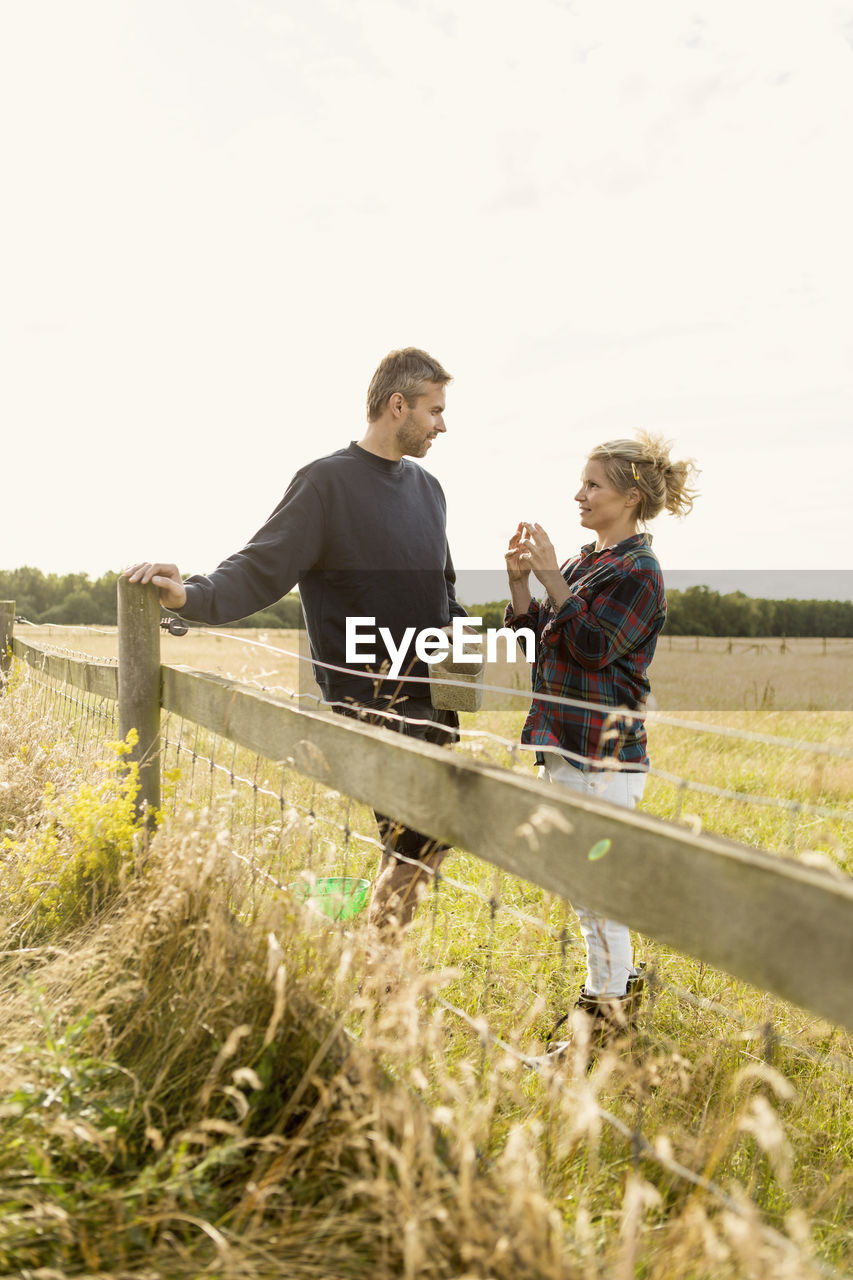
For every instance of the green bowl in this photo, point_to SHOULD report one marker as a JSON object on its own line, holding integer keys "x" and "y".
{"x": 338, "y": 897}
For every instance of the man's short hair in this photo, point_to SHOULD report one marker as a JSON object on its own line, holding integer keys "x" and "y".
{"x": 407, "y": 371}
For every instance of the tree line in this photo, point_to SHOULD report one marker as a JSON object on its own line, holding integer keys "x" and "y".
{"x": 699, "y": 611}
{"x": 73, "y": 599}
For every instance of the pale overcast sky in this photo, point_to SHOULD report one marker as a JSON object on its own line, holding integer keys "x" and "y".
{"x": 598, "y": 214}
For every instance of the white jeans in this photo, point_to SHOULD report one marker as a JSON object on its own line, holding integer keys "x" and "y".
{"x": 609, "y": 955}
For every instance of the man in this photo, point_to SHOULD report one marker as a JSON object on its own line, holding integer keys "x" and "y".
{"x": 362, "y": 533}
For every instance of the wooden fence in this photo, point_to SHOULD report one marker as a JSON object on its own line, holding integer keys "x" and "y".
{"x": 771, "y": 921}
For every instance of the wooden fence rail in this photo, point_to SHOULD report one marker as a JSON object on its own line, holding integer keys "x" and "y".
{"x": 778, "y": 924}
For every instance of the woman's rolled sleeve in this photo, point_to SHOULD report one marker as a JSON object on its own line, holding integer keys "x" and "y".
{"x": 533, "y": 617}
{"x": 615, "y": 622}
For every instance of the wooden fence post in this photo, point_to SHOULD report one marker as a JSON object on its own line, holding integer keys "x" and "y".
{"x": 7, "y": 626}
{"x": 139, "y": 684}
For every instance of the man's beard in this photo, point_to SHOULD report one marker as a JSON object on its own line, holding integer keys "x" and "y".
{"x": 410, "y": 439}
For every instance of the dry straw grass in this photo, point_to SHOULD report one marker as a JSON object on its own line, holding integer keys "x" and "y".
{"x": 203, "y": 1078}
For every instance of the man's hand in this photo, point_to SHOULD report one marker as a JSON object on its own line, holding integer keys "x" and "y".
{"x": 166, "y": 577}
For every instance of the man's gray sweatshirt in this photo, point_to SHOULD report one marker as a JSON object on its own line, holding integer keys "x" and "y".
{"x": 362, "y": 537}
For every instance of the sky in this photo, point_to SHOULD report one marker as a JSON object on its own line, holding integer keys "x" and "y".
{"x": 599, "y": 215}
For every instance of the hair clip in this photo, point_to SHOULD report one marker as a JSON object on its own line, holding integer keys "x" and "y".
{"x": 634, "y": 472}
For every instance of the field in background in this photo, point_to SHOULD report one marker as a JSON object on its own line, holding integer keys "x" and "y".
{"x": 795, "y": 689}
{"x": 688, "y": 674}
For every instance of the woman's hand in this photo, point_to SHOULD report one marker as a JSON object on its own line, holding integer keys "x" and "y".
{"x": 517, "y": 571}
{"x": 536, "y": 551}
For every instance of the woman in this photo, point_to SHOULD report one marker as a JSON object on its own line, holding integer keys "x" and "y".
{"x": 596, "y": 634}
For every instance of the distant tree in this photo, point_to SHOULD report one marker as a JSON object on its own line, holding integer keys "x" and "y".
{"x": 698, "y": 611}
{"x": 78, "y": 609}
{"x": 30, "y": 589}
{"x": 285, "y": 614}
{"x": 691, "y": 612}
{"x": 105, "y": 596}
{"x": 492, "y": 613}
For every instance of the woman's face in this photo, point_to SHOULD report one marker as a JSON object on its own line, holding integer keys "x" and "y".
{"x": 601, "y": 506}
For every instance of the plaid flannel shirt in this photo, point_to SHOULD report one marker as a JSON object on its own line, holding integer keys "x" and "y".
{"x": 596, "y": 648}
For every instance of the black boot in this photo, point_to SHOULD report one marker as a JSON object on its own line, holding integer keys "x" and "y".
{"x": 612, "y": 1017}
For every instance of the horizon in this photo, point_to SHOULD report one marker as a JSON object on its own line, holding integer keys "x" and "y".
{"x": 480, "y": 587}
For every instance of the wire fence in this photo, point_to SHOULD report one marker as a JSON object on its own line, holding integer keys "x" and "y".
{"x": 521, "y": 698}
{"x": 500, "y": 896}
{"x": 753, "y": 644}
{"x": 517, "y": 950}
{"x": 670, "y": 641}
{"x": 814, "y": 828}
{"x": 88, "y": 719}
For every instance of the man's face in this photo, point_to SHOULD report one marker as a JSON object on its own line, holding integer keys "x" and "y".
{"x": 422, "y": 422}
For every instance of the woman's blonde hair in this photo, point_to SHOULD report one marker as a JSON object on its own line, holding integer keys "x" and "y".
{"x": 644, "y": 464}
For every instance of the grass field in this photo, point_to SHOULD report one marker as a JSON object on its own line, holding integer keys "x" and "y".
{"x": 688, "y": 673}
{"x": 795, "y": 689}
{"x": 130, "y": 1030}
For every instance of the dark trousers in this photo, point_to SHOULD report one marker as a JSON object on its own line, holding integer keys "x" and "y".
{"x": 399, "y": 885}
